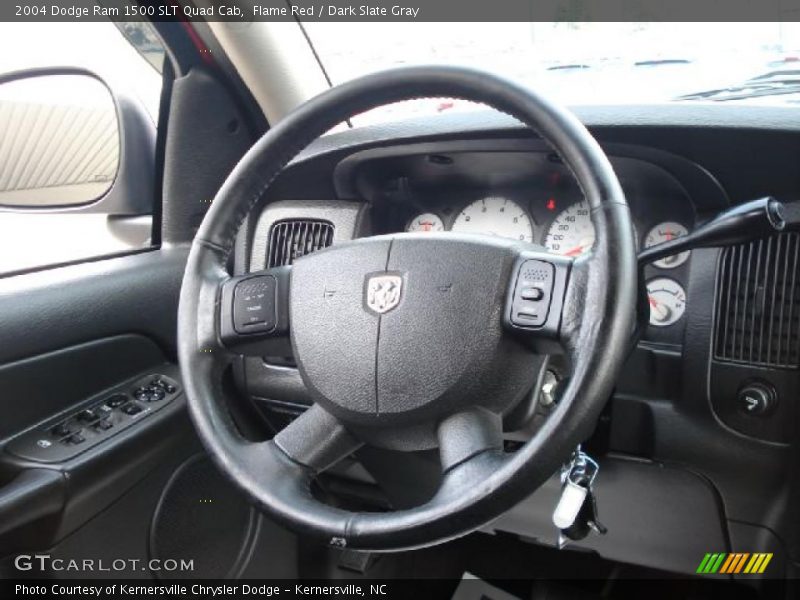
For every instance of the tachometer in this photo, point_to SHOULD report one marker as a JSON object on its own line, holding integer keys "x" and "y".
{"x": 495, "y": 216}
{"x": 572, "y": 231}
{"x": 426, "y": 222}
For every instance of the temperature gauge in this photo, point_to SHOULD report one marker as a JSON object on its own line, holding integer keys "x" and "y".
{"x": 426, "y": 222}
{"x": 664, "y": 232}
{"x": 667, "y": 301}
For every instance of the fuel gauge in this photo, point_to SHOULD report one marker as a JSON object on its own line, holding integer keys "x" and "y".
{"x": 667, "y": 300}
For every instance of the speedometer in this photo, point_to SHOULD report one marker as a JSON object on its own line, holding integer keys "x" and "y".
{"x": 572, "y": 231}
{"x": 495, "y": 216}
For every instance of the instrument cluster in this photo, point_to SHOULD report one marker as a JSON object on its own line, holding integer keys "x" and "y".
{"x": 553, "y": 213}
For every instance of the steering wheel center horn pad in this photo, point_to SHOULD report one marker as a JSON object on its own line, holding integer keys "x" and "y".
{"x": 441, "y": 348}
{"x": 409, "y": 341}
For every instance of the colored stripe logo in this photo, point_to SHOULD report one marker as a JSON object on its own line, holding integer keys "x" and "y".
{"x": 734, "y": 563}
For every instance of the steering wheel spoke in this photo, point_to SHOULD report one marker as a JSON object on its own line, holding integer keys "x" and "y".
{"x": 254, "y": 313}
{"x": 316, "y": 440}
{"x": 467, "y": 434}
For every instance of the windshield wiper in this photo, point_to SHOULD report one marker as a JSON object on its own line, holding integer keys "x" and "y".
{"x": 776, "y": 83}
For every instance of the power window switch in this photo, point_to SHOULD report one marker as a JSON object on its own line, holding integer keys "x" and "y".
{"x": 116, "y": 400}
{"x": 86, "y": 415}
{"x": 103, "y": 425}
{"x": 76, "y": 438}
{"x": 131, "y": 409}
{"x": 61, "y": 430}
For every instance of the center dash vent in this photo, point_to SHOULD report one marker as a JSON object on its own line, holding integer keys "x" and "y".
{"x": 758, "y": 303}
{"x": 289, "y": 240}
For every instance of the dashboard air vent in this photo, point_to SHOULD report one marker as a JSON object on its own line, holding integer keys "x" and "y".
{"x": 758, "y": 309}
{"x": 289, "y": 240}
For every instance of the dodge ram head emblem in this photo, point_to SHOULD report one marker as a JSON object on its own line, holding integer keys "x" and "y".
{"x": 383, "y": 292}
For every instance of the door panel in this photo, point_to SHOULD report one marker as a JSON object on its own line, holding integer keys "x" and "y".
{"x": 82, "y": 335}
{"x": 80, "y": 332}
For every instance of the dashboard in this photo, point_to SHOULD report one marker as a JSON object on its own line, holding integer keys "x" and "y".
{"x": 678, "y": 454}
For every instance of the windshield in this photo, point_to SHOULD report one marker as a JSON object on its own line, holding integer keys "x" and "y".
{"x": 579, "y": 63}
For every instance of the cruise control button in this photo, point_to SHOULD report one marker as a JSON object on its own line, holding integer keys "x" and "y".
{"x": 528, "y": 315}
{"x": 254, "y": 304}
{"x": 532, "y": 290}
{"x": 531, "y": 293}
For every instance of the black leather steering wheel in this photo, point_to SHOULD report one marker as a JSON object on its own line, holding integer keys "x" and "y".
{"x": 410, "y": 341}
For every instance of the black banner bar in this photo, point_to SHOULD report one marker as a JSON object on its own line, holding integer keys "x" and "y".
{"x": 242, "y": 11}
{"x": 468, "y": 588}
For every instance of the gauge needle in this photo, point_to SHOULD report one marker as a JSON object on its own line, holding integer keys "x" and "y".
{"x": 661, "y": 311}
{"x": 580, "y": 248}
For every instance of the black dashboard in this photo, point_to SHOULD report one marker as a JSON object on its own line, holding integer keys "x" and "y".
{"x": 675, "y": 430}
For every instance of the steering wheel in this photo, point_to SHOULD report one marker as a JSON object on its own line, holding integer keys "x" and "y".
{"x": 409, "y": 341}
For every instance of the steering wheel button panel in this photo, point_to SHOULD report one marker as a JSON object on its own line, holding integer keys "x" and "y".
{"x": 532, "y": 293}
{"x": 254, "y": 304}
